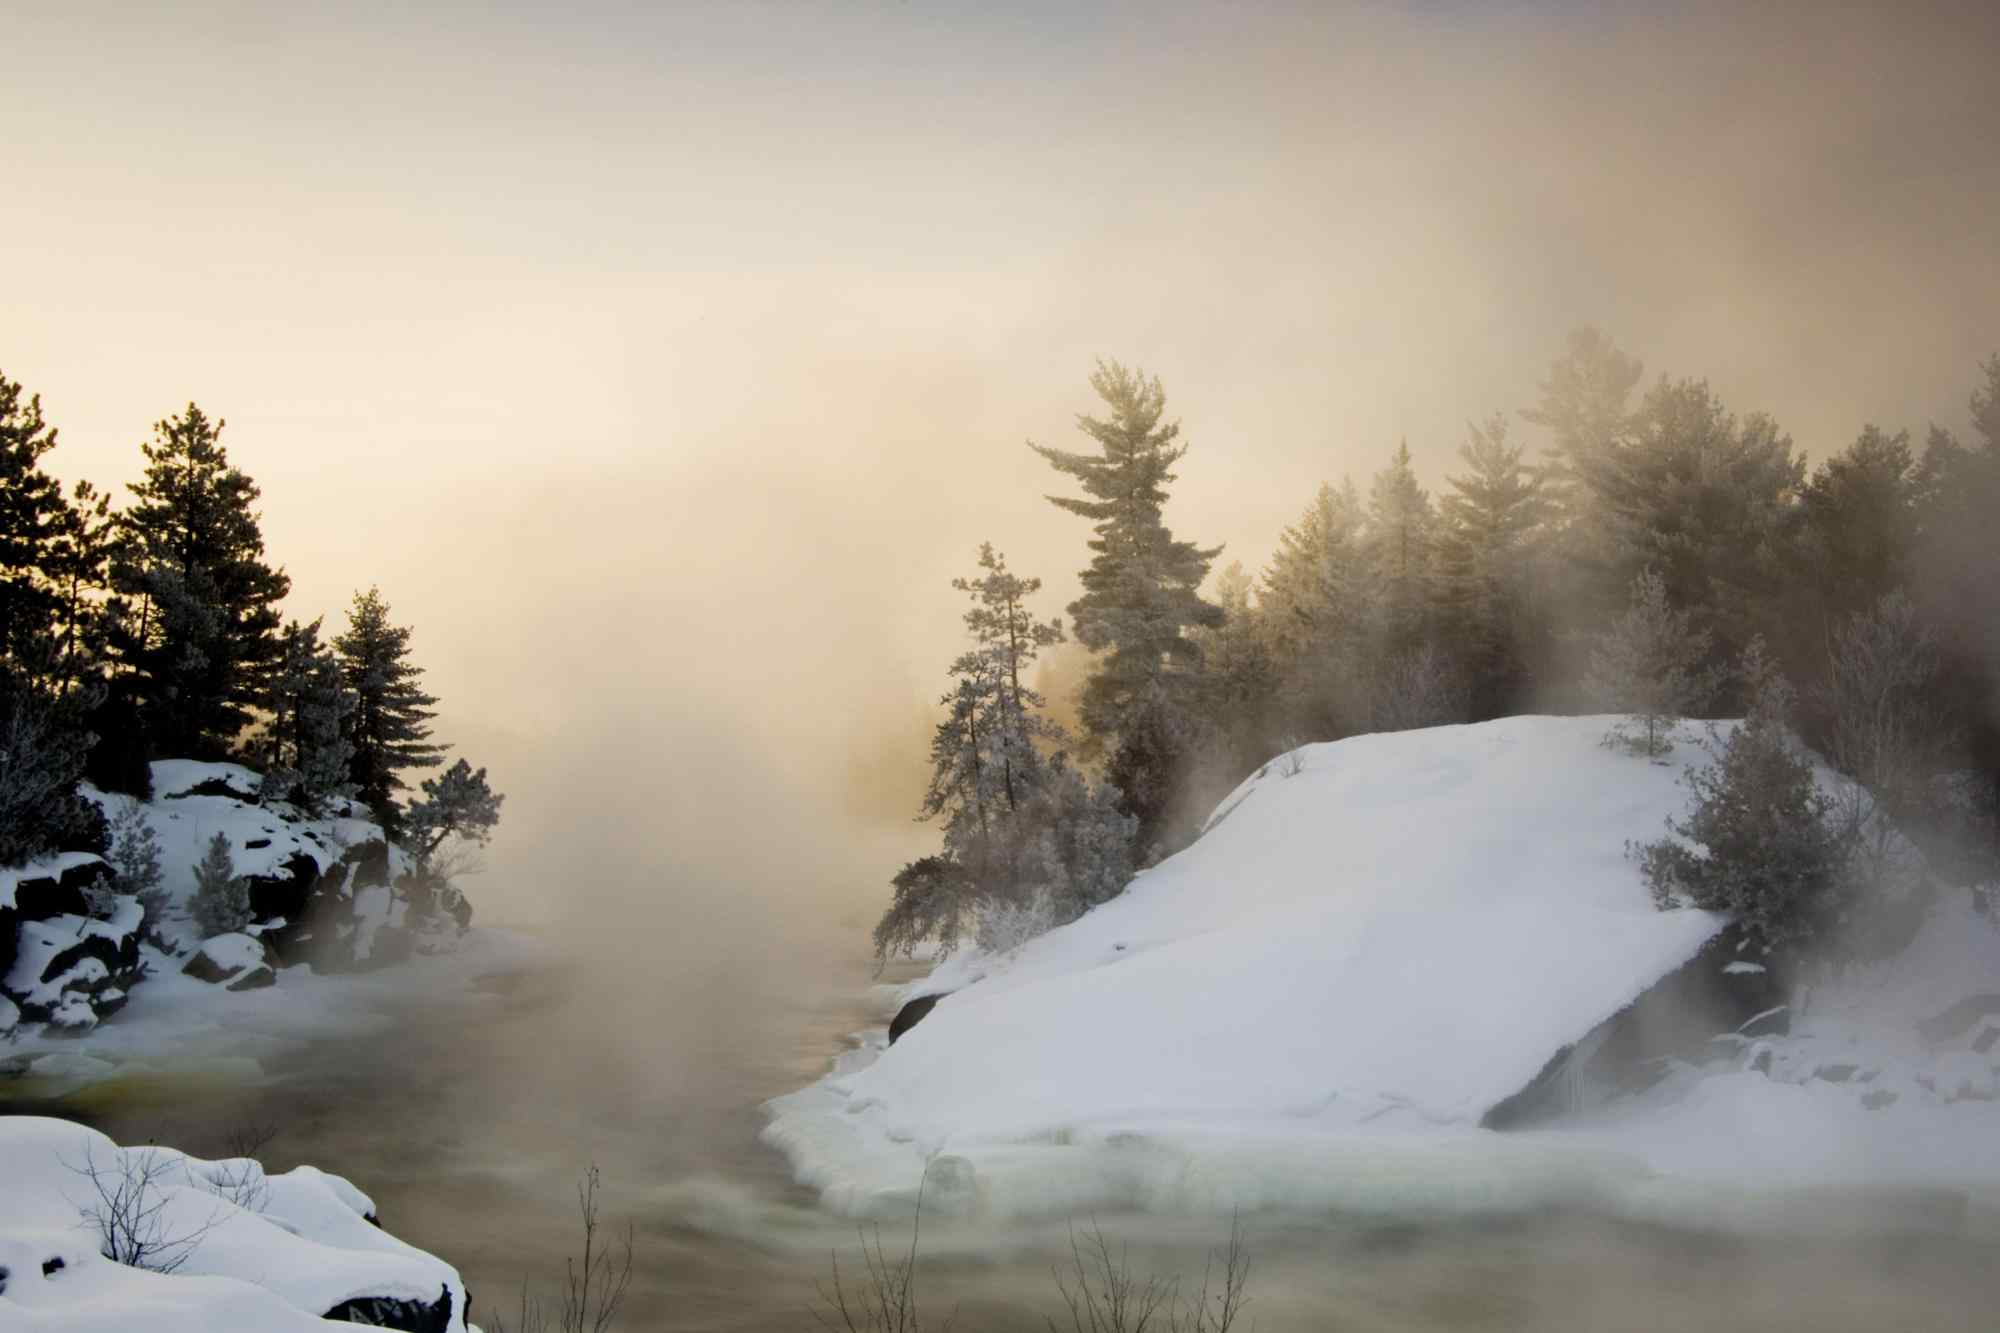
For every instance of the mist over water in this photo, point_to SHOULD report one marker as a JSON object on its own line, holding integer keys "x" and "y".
{"x": 664, "y": 366}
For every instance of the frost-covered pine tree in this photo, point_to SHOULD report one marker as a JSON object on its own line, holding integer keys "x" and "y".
{"x": 390, "y": 724}
{"x": 1648, "y": 665}
{"x": 304, "y": 750}
{"x": 220, "y": 904}
{"x": 457, "y": 803}
{"x": 1401, "y": 545}
{"x": 1026, "y": 839}
{"x": 1140, "y": 590}
{"x": 135, "y": 858}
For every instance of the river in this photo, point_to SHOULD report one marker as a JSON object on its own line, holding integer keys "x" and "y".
{"x": 470, "y": 1126}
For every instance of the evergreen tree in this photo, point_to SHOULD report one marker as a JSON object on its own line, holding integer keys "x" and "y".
{"x": 1492, "y": 520}
{"x": 32, "y": 512}
{"x": 196, "y": 626}
{"x": 1585, "y": 406}
{"x": 303, "y": 749}
{"x": 1140, "y": 590}
{"x": 1401, "y": 540}
{"x": 389, "y": 726}
{"x": 1703, "y": 500}
{"x": 220, "y": 904}
{"x": 1648, "y": 665}
{"x": 1756, "y": 844}
{"x": 457, "y": 803}
{"x": 1314, "y": 612}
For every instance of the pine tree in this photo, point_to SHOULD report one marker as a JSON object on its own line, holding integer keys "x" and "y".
{"x": 1140, "y": 590}
{"x": 1586, "y": 407}
{"x": 1401, "y": 546}
{"x": 457, "y": 803}
{"x": 1314, "y": 612}
{"x": 1704, "y": 500}
{"x": 1767, "y": 855}
{"x": 1648, "y": 664}
{"x": 389, "y": 727}
{"x": 1492, "y": 520}
{"x": 32, "y": 512}
{"x": 196, "y": 627}
{"x": 304, "y": 749}
{"x": 220, "y": 904}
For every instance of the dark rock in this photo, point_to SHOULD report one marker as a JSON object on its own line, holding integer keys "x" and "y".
{"x": 214, "y": 787}
{"x": 1836, "y": 1073}
{"x": 255, "y": 843}
{"x": 52, "y": 1265}
{"x": 1878, "y": 1099}
{"x": 1984, "y": 1042}
{"x": 1674, "y": 1019}
{"x": 1760, "y": 1063}
{"x": 46, "y": 896}
{"x": 284, "y": 892}
{"x": 911, "y": 1014}
{"x": 1958, "y": 1019}
{"x": 256, "y": 978}
{"x": 389, "y": 1312}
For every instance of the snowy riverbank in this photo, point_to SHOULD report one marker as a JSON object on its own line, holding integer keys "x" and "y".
{"x": 1315, "y": 1005}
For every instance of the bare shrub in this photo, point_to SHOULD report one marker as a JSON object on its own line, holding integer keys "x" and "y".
{"x": 593, "y": 1288}
{"x": 1101, "y": 1293}
{"x": 127, "y": 1209}
{"x": 884, "y": 1298}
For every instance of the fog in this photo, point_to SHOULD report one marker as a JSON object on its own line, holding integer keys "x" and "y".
{"x": 662, "y": 367}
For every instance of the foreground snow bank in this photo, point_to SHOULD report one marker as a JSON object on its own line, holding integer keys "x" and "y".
{"x": 1384, "y": 937}
{"x": 256, "y": 1253}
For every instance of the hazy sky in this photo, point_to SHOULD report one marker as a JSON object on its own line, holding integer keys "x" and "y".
{"x": 662, "y": 363}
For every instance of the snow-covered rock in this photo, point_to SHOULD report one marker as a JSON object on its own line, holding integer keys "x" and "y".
{"x": 1370, "y": 960}
{"x": 240, "y": 962}
{"x": 254, "y": 1253}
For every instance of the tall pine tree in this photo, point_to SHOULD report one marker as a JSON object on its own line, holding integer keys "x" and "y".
{"x": 1492, "y": 519}
{"x": 196, "y": 629}
{"x": 389, "y": 727}
{"x": 1140, "y": 591}
{"x": 304, "y": 748}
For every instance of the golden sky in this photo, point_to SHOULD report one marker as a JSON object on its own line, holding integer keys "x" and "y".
{"x": 663, "y": 363}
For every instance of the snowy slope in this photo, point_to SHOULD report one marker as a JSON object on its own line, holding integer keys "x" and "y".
{"x": 1388, "y": 941}
{"x": 258, "y": 1254}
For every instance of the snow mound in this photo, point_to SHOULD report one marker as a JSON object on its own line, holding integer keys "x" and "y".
{"x": 257, "y": 1253}
{"x": 1381, "y": 936}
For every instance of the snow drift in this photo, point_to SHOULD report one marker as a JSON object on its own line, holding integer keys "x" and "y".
{"x": 256, "y": 1253}
{"x": 1381, "y": 936}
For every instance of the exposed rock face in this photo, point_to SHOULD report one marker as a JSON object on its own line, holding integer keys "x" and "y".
{"x": 67, "y": 968}
{"x": 911, "y": 1014}
{"x": 388, "y": 1312}
{"x": 281, "y": 896}
{"x": 1959, "y": 1019}
{"x": 1723, "y": 991}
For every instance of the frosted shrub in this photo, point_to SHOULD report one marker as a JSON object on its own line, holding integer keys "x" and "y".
{"x": 135, "y": 858}
{"x": 221, "y": 901}
{"x": 1006, "y": 926}
{"x": 1766, "y": 854}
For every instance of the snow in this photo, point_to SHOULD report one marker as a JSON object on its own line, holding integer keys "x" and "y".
{"x": 268, "y": 1252}
{"x": 1314, "y": 1004}
{"x": 1396, "y": 936}
{"x": 233, "y": 953}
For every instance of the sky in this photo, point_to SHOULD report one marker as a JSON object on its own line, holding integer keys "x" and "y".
{"x": 663, "y": 363}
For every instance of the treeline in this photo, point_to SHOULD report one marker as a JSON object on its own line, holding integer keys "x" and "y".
{"x": 1647, "y": 546}
{"x": 153, "y": 630}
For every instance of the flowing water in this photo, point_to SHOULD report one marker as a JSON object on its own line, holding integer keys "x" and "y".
{"x": 470, "y": 1125}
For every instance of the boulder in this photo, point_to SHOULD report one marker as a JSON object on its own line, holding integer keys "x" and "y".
{"x": 240, "y": 962}
{"x": 1719, "y": 990}
{"x": 282, "y": 894}
{"x": 911, "y": 1014}
{"x": 391, "y": 1312}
